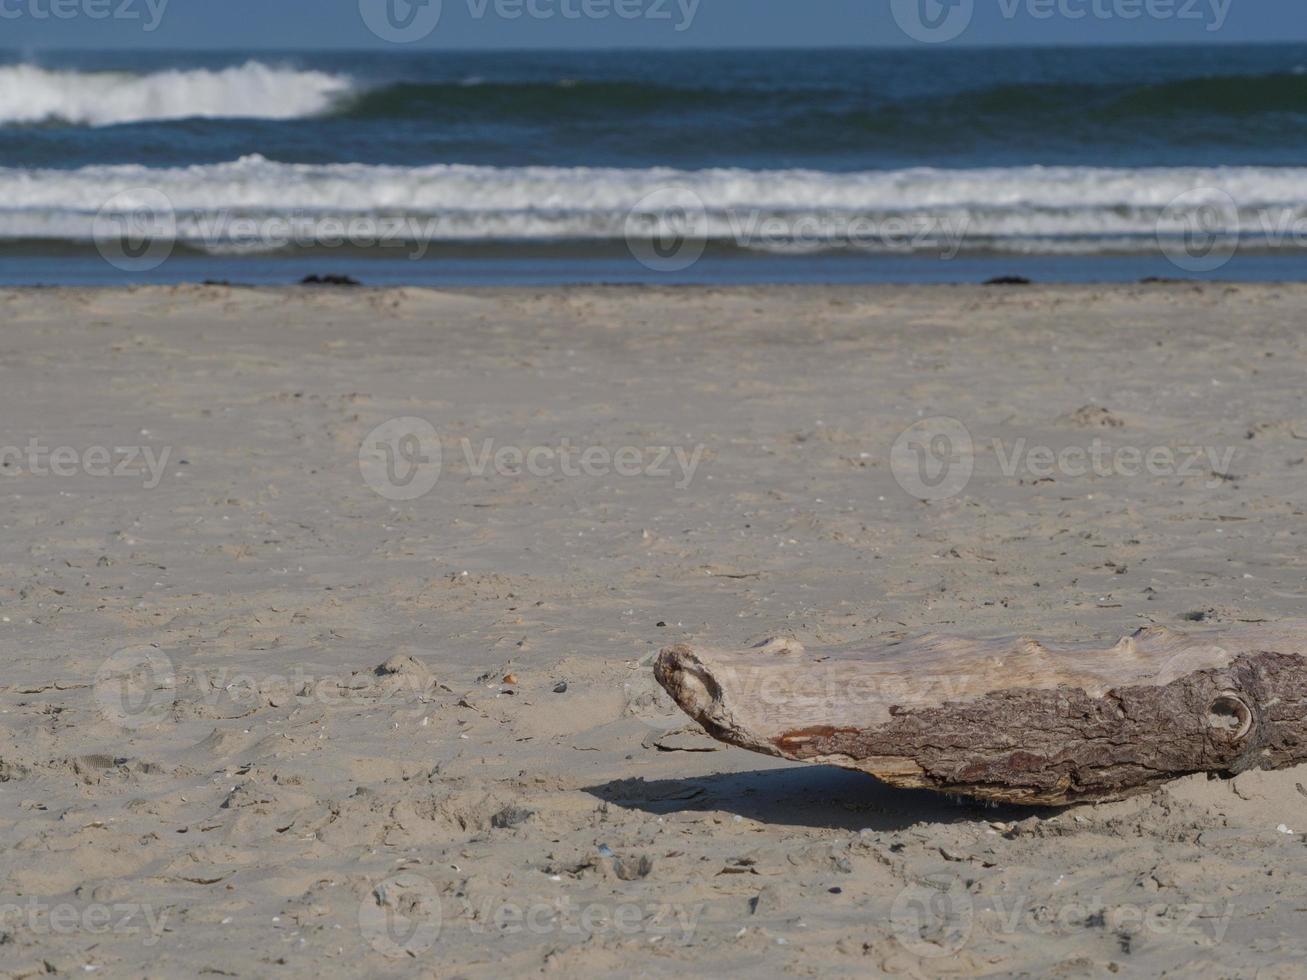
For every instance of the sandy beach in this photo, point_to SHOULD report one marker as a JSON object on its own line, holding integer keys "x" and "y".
{"x": 328, "y": 616}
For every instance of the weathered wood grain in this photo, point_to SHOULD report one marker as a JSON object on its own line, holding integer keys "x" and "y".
{"x": 1013, "y": 720}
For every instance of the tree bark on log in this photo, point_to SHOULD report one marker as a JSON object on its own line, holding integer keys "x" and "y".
{"x": 1012, "y": 721}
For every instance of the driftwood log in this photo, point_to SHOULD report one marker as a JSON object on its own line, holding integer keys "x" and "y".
{"x": 1012, "y": 721}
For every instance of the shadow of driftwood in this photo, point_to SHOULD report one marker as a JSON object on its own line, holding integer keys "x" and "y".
{"x": 803, "y": 796}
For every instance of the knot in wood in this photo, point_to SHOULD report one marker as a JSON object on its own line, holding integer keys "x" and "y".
{"x": 1230, "y": 715}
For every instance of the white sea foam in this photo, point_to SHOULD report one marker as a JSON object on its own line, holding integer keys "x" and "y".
{"x": 31, "y": 94}
{"x": 1067, "y": 209}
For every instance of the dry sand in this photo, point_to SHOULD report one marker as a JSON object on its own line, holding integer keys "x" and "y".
{"x": 256, "y": 799}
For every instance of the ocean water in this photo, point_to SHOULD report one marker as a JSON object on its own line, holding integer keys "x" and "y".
{"x": 841, "y": 166}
